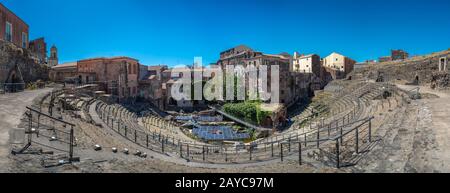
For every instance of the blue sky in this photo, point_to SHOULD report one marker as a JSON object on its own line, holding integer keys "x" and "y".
{"x": 175, "y": 31}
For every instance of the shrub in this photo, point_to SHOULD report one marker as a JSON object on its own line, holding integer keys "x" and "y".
{"x": 248, "y": 111}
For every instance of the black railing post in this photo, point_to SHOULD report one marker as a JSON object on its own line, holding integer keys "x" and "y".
{"x": 226, "y": 155}
{"x": 318, "y": 138}
{"x": 272, "y": 149}
{"x": 203, "y": 152}
{"x": 357, "y": 140}
{"x": 181, "y": 149}
{"x": 188, "y": 153}
{"x": 370, "y": 130}
{"x": 162, "y": 147}
{"x": 306, "y": 140}
{"x": 338, "y": 164}
{"x": 71, "y": 145}
{"x": 300, "y": 153}
{"x": 281, "y": 152}
{"x": 289, "y": 145}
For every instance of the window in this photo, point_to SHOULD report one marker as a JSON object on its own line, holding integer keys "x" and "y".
{"x": 24, "y": 40}
{"x": 8, "y": 34}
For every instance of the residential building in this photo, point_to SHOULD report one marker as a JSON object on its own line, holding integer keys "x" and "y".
{"x": 63, "y": 72}
{"x": 39, "y": 47}
{"x": 12, "y": 28}
{"x": 245, "y": 56}
{"x": 385, "y": 59}
{"x": 399, "y": 55}
{"x": 306, "y": 64}
{"x": 150, "y": 85}
{"x": 338, "y": 66}
{"x": 119, "y": 75}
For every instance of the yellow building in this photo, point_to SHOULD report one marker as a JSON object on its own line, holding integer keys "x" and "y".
{"x": 339, "y": 62}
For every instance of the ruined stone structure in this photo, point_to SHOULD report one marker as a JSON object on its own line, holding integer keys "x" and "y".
{"x": 18, "y": 66}
{"x": 420, "y": 70}
{"x": 21, "y": 61}
{"x": 443, "y": 62}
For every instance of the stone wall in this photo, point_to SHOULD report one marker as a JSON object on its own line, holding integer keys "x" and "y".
{"x": 21, "y": 63}
{"x": 418, "y": 70}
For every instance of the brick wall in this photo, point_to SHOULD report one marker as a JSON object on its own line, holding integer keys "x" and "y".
{"x": 18, "y": 26}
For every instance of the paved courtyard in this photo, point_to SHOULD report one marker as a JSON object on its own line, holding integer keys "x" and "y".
{"x": 12, "y": 107}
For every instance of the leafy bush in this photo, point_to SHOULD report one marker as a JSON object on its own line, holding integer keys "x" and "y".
{"x": 248, "y": 111}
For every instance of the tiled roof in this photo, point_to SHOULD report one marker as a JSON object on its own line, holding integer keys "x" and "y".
{"x": 66, "y": 65}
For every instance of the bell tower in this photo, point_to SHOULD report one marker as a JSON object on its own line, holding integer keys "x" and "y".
{"x": 53, "y": 60}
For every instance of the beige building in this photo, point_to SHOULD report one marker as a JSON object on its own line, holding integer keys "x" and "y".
{"x": 339, "y": 62}
{"x": 306, "y": 64}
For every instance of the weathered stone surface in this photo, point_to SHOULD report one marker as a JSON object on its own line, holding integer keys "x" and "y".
{"x": 21, "y": 63}
{"x": 417, "y": 70}
{"x": 440, "y": 80}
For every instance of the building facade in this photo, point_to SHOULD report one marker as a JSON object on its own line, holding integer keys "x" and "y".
{"x": 53, "y": 59}
{"x": 63, "y": 72}
{"x": 399, "y": 55}
{"x": 339, "y": 66}
{"x": 12, "y": 28}
{"x": 151, "y": 85}
{"x": 306, "y": 64}
{"x": 119, "y": 75}
{"x": 39, "y": 47}
{"x": 245, "y": 56}
{"x": 385, "y": 59}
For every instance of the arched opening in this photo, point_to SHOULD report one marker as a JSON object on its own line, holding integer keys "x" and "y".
{"x": 281, "y": 122}
{"x": 268, "y": 122}
{"x": 13, "y": 82}
{"x": 416, "y": 80}
{"x": 172, "y": 102}
{"x": 386, "y": 94}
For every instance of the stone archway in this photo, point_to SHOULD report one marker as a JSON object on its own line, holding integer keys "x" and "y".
{"x": 268, "y": 122}
{"x": 416, "y": 80}
{"x": 172, "y": 102}
{"x": 443, "y": 64}
{"x": 14, "y": 80}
